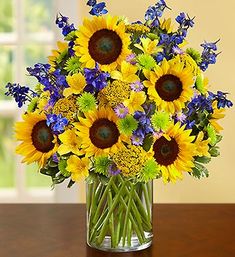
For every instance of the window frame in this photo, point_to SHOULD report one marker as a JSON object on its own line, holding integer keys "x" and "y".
{"x": 8, "y": 108}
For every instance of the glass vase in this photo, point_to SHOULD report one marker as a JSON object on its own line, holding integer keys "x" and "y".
{"x": 119, "y": 214}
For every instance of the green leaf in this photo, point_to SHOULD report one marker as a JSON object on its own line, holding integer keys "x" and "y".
{"x": 59, "y": 179}
{"x": 49, "y": 171}
{"x": 91, "y": 178}
{"x": 152, "y": 36}
{"x": 104, "y": 180}
{"x": 218, "y": 138}
{"x": 62, "y": 168}
{"x": 52, "y": 164}
{"x": 200, "y": 171}
{"x": 71, "y": 183}
{"x": 214, "y": 151}
{"x": 148, "y": 141}
{"x": 203, "y": 159}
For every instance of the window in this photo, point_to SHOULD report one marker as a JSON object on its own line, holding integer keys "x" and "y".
{"x": 27, "y": 35}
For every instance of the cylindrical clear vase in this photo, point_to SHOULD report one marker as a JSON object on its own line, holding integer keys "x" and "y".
{"x": 119, "y": 214}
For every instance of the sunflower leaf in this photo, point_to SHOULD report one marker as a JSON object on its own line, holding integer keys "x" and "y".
{"x": 203, "y": 159}
{"x": 214, "y": 151}
{"x": 200, "y": 171}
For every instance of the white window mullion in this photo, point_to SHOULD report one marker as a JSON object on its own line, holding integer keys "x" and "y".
{"x": 19, "y": 62}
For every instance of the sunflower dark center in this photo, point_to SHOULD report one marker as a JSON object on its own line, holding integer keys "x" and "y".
{"x": 104, "y": 133}
{"x": 105, "y": 46}
{"x": 169, "y": 87}
{"x": 165, "y": 152}
{"x": 42, "y": 137}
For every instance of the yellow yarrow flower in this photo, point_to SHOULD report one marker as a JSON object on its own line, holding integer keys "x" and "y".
{"x": 79, "y": 167}
{"x": 70, "y": 143}
{"x": 130, "y": 160}
{"x": 137, "y": 28}
{"x": 114, "y": 93}
{"x": 76, "y": 82}
{"x": 127, "y": 73}
{"x": 66, "y": 107}
{"x": 135, "y": 101}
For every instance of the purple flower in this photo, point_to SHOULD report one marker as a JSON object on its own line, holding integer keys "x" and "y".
{"x": 137, "y": 86}
{"x": 121, "y": 111}
{"x": 181, "y": 117}
{"x": 131, "y": 58}
{"x": 177, "y": 50}
{"x": 57, "y": 123}
{"x": 137, "y": 140}
{"x": 96, "y": 79}
{"x": 55, "y": 158}
{"x": 113, "y": 170}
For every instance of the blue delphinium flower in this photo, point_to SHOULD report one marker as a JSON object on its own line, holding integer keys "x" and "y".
{"x": 98, "y": 9}
{"x": 199, "y": 103}
{"x": 63, "y": 24}
{"x": 185, "y": 21}
{"x": 144, "y": 122}
{"x": 57, "y": 123}
{"x": 91, "y": 2}
{"x": 156, "y": 11}
{"x": 96, "y": 79}
{"x": 21, "y": 94}
{"x": 221, "y": 98}
{"x": 209, "y": 55}
{"x": 53, "y": 82}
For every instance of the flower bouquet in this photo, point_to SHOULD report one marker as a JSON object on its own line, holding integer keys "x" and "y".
{"x": 121, "y": 104}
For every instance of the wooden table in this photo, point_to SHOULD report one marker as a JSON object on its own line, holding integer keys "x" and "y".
{"x": 59, "y": 231}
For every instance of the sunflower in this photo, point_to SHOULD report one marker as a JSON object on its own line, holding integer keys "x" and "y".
{"x": 99, "y": 132}
{"x": 174, "y": 152}
{"x": 170, "y": 86}
{"x": 38, "y": 142}
{"x": 102, "y": 40}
